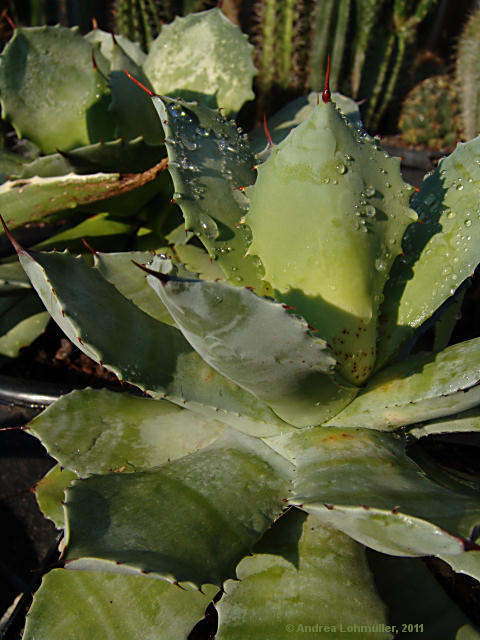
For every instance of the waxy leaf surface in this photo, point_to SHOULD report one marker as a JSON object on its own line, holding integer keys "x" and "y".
{"x": 150, "y": 354}
{"x": 120, "y": 607}
{"x": 206, "y": 511}
{"x": 440, "y": 253}
{"x": 110, "y": 431}
{"x": 210, "y": 164}
{"x": 420, "y": 388}
{"x": 256, "y": 343}
{"x": 56, "y": 110}
{"x": 304, "y": 565}
{"x": 327, "y": 215}
{"x": 362, "y": 482}
{"x": 203, "y": 57}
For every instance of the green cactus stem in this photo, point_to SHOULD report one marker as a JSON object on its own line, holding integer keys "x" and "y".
{"x": 405, "y": 21}
{"x": 367, "y": 14}
{"x": 430, "y": 114}
{"x": 285, "y": 42}
{"x": 467, "y": 73}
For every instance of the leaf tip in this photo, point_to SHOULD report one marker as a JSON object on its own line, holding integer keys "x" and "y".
{"x": 148, "y": 91}
{"x": 18, "y": 248}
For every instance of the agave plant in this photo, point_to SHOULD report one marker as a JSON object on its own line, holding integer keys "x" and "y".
{"x": 80, "y": 162}
{"x": 266, "y": 476}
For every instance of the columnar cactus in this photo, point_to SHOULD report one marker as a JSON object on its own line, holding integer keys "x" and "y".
{"x": 467, "y": 75}
{"x": 272, "y": 451}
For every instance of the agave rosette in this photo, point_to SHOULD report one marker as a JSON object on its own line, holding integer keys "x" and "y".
{"x": 269, "y": 456}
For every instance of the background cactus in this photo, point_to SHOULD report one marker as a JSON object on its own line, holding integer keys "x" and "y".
{"x": 430, "y": 114}
{"x": 467, "y": 75}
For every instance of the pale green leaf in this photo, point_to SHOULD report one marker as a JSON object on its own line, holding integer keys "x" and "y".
{"x": 467, "y": 563}
{"x": 203, "y": 57}
{"x": 80, "y": 605}
{"x": 327, "y": 214}
{"x": 50, "y": 494}
{"x": 205, "y": 512}
{"x": 139, "y": 349}
{"x": 294, "y": 113}
{"x": 461, "y": 422}
{"x": 439, "y": 254}
{"x": 362, "y": 482}
{"x": 420, "y": 388}
{"x": 22, "y": 319}
{"x": 99, "y": 431}
{"x": 118, "y": 269}
{"x": 106, "y": 40}
{"x": 51, "y": 91}
{"x": 298, "y": 583}
{"x": 210, "y": 163}
{"x": 256, "y": 343}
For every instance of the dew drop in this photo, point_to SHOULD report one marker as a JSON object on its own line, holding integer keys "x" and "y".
{"x": 202, "y": 132}
{"x": 459, "y": 187}
{"x": 209, "y": 228}
{"x": 190, "y": 144}
{"x": 370, "y": 190}
{"x": 379, "y": 264}
{"x": 451, "y": 215}
{"x": 370, "y": 211}
{"x": 341, "y": 168}
{"x": 468, "y": 223}
{"x": 176, "y": 110}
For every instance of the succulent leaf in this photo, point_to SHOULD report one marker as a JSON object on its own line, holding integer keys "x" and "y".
{"x": 197, "y": 261}
{"x": 294, "y": 113}
{"x": 50, "y": 494}
{"x": 107, "y": 41}
{"x": 125, "y": 606}
{"x": 101, "y": 231}
{"x": 467, "y": 563}
{"x": 128, "y": 99}
{"x": 22, "y": 319}
{"x": 305, "y": 564}
{"x": 440, "y": 253}
{"x": 43, "y": 196}
{"x": 107, "y": 521}
{"x": 203, "y": 57}
{"x": 256, "y": 343}
{"x": 74, "y": 112}
{"x": 362, "y": 482}
{"x": 116, "y": 156}
{"x": 420, "y": 388}
{"x": 117, "y": 269}
{"x": 327, "y": 214}
{"x": 150, "y": 354}
{"x": 119, "y": 432}
{"x": 210, "y": 163}
{"x": 458, "y": 422}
